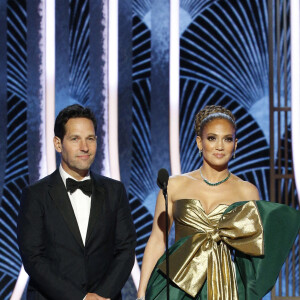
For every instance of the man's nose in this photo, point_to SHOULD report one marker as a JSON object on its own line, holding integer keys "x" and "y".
{"x": 84, "y": 146}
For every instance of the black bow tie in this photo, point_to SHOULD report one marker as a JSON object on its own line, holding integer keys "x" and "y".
{"x": 85, "y": 186}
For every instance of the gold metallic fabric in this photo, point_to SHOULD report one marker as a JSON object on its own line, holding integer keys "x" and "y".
{"x": 206, "y": 254}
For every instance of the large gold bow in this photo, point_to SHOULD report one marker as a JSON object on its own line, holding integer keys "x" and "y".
{"x": 207, "y": 255}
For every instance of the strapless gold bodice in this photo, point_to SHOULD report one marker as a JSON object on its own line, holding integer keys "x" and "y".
{"x": 205, "y": 252}
{"x": 190, "y": 217}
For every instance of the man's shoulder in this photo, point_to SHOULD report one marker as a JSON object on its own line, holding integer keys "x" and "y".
{"x": 45, "y": 180}
{"x": 101, "y": 179}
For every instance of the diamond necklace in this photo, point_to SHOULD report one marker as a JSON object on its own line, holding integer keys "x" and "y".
{"x": 214, "y": 184}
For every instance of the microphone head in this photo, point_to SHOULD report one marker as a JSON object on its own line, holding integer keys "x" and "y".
{"x": 162, "y": 178}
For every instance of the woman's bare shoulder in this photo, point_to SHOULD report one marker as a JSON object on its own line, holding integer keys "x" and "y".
{"x": 246, "y": 189}
{"x": 184, "y": 177}
{"x": 181, "y": 180}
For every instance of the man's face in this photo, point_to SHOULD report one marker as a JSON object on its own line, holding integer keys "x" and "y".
{"x": 78, "y": 147}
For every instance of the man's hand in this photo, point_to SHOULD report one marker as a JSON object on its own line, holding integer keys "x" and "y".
{"x": 93, "y": 296}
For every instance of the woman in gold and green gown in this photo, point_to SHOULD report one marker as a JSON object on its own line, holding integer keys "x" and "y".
{"x": 229, "y": 245}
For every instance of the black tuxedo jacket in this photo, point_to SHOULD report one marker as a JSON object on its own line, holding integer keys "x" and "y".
{"x": 51, "y": 247}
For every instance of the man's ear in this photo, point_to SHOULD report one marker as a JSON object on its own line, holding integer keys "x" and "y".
{"x": 57, "y": 143}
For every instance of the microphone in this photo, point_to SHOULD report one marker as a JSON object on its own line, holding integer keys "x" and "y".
{"x": 162, "y": 182}
{"x": 162, "y": 179}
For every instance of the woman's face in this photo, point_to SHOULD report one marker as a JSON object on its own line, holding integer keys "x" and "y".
{"x": 218, "y": 142}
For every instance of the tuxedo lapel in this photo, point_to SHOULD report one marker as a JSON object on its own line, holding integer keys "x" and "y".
{"x": 59, "y": 195}
{"x": 97, "y": 202}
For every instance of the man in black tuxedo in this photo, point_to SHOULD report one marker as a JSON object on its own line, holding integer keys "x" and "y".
{"x": 75, "y": 230}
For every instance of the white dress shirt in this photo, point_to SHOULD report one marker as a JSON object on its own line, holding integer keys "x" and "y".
{"x": 81, "y": 204}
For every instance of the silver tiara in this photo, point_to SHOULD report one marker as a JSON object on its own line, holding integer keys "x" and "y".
{"x": 217, "y": 115}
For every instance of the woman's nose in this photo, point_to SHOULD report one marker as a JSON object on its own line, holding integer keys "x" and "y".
{"x": 219, "y": 145}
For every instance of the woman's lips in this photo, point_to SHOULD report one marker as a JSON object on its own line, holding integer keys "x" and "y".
{"x": 218, "y": 155}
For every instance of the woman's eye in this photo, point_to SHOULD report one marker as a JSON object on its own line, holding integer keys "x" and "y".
{"x": 211, "y": 138}
{"x": 229, "y": 139}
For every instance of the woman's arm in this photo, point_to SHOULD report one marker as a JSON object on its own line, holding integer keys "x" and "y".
{"x": 157, "y": 242}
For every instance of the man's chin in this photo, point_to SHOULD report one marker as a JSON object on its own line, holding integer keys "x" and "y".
{"x": 82, "y": 169}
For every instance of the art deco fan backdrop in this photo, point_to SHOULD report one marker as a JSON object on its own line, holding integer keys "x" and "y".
{"x": 224, "y": 60}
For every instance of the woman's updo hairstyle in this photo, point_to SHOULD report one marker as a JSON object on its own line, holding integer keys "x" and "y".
{"x": 209, "y": 113}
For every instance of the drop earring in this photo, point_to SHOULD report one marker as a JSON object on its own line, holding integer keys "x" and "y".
{"x": 233, "y": 155}
{"x": 200, "y": 152}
